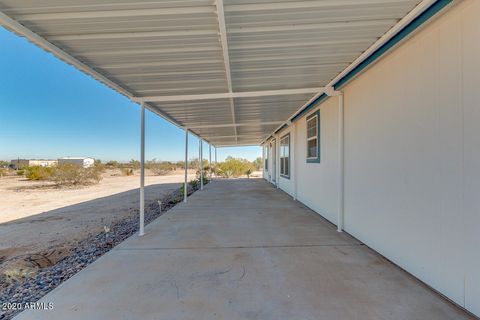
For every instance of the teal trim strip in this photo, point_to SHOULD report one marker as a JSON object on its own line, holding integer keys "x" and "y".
{"x": 408, "y": 29}
{"x": 281, "y": 128}
{"x": 310, "y": 106}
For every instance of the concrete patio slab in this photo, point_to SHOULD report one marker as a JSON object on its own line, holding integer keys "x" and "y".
{"x": 244, "y": 259}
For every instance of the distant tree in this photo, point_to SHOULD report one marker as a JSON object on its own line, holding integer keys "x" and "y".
{"x": 180, "y": 164}
{"x": 257, "y": 163}
{"x": 112, "y": 164}
{"x": 193, "y": 163}
{"x": 135, "y": 164}
{"x": 159, "y": 167}
{"x": 4, "y": 164}
{"x": 235, "y": 167}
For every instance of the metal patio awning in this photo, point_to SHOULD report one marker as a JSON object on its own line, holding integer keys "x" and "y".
{"x": 230, "y": 71}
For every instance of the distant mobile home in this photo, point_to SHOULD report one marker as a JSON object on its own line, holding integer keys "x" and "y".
{"x": 23, "y": 163}
{"x": 80, "y": 161}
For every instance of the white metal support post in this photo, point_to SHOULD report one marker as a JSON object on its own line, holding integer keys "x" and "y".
{"x": 295, "y": 170}
{"x": 215, "y": 161}
{"x": 277, "y": 161}
{"x": 200, "y": 149}
{"x": 141, "y": 231}
{"x": 263, "y": 161}
{"x": 341, "y": 165}
{"x": 210, "y": 161}
{"x": 185, "y": 188}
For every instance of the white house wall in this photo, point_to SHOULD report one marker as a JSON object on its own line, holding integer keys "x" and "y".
{"x": 411, "y": 140}
{"x": 412, "y": 156}
{"x": 317, "y": 183}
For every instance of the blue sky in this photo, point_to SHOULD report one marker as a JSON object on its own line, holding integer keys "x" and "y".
{"x": 49, "y": 109}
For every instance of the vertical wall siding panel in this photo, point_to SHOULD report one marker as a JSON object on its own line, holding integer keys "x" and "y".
{"x": 318, "y": 182}
{"x": 412, "y": 156}
{"x": 405, "y": 166}
{"x": 449, "y": 223}
{"x": 470, "y": 35}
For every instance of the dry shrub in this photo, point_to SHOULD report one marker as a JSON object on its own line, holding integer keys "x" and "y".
{"x": 70, "y": 174}
{"x": 160, "y": 168}
{"x": 235, "y": 167}
{"x": 39, "y": 173}
{"x": 3, "y": 172}
{"x": 113, "y": 164}
{"x": 126, "y": 171}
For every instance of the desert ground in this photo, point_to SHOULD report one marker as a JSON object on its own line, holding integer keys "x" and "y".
{"x": 36, "y": 216}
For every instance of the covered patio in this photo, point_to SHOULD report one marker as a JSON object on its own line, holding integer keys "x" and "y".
{"x": 357, "y": 105}
{"x": 242, "y": 249}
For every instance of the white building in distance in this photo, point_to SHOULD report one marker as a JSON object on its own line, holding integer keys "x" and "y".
{"x": 23, "y": 163}
{"x": 80, "y": 161}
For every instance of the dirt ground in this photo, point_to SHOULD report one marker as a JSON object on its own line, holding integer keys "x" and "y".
{"x": 35, "y": 216}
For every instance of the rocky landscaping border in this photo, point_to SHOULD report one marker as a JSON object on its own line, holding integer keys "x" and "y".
{"x": 29, "y": 289}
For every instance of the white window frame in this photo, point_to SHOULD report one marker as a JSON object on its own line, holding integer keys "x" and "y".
{"x": 283, "y": 157}
{"x": 316, "y": 116}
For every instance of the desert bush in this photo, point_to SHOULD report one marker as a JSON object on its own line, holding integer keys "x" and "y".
{"x": 135, "y": 164}
{"x": 205, "y": 175}
{"x": 194, "y": 184}
{"x": 70, "y": 174}
{"x": 126, "y": 171}
{"x": 20, "y": 172}
{"x": 205, "y": 178}
{"x": 113, "y": 164}
{"x": 160, "y": 168}
{"x": 194, "y": 163}
{"x": 180, "y": 164}
{"x": 234, "y": 167}
{"x": 4, "y": 164}
{"x": 3, "y": 172}
{"x": 38, "y": 173}
{"x": 258, "y": 163}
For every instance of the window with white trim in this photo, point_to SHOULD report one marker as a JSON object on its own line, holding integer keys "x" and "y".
{"x": 285, "y": 156}
{"x": 313, "y": 137}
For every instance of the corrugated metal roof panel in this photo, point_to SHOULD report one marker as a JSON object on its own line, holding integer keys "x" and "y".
{"x": 174, "y": 47}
